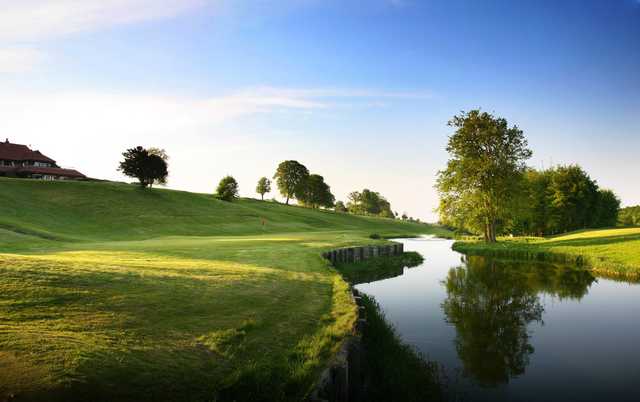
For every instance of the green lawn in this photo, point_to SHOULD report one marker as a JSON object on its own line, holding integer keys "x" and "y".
{"x": 110, "y": 292}
{"x": 611, "y": 252}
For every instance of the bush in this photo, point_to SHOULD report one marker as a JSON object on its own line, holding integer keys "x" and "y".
{"x": 375, "y": 236}
{"x": 227, "y": 189}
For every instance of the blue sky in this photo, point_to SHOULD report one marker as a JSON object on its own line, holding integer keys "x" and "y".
{"x": 359, "y": 91}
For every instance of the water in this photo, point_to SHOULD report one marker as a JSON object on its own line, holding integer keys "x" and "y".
{"x": 517, "y": 331}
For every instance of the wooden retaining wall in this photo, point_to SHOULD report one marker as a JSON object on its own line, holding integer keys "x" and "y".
{"x": 355, "y": 254}
{"x": 342, "y": 380}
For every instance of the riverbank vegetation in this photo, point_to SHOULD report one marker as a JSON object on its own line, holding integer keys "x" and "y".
{"x": 488, "y": 189}
{"x": 608, "y": 252}
{"x": 113, "y": 292}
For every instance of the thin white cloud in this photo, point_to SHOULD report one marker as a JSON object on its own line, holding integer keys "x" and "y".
{"x": 18, "y": 60}
{"x": 35, "y": 20}
{"x": 113, "y": 113}
{"x": 81, "y": 112}
{"x": 328, "y": 94}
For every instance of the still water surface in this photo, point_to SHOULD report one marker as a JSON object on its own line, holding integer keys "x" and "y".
{"x": 516, "y": 331}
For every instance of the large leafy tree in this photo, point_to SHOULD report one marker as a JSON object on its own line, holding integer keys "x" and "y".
{"x": 487, "y": 161}
{"x": 289, "y": 176}
{"x": 263, "y": 187}
{"x": 314, "y": 192}
{"x": 227, "y": 189}
{"x": 148, "y": 167}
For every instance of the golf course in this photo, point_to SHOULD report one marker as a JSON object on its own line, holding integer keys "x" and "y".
{"x": 113, "y": 292}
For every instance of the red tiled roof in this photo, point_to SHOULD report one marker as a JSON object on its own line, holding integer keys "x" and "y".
{"x": 51, "y": 171}
{"x": 17, "y": 152}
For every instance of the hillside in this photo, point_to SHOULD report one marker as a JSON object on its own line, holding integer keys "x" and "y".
{"x": 113, "y": 211}
{"x": 110, "y": 292}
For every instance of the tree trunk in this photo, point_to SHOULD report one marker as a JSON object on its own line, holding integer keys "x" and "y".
{"x": 287, "y": 200}
{"x": 262, "y": 197}
{"x": 490, "y": 231}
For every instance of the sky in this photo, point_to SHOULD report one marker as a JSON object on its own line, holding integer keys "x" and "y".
{"x": 360, "y": 91}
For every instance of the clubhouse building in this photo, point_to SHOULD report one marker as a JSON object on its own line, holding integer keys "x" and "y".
{"x": 20, "y": 161}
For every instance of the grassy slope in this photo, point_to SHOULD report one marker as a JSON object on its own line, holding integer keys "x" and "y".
{"x": 613, "y": 252}
{"x": 109, "y": 290}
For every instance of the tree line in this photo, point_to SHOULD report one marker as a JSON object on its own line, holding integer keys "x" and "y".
{"x": 629, "y": 216}
{"x": 293, "y": 180}
{"x": 487, "y": 188}
{"x": 562, "y": 199}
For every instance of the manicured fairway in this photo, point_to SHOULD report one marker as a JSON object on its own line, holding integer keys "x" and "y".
{"x": 108, "y": 292}
{"x": 612, "y": 252}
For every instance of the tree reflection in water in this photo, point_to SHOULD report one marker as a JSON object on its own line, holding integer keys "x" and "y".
{"x": 491, "y": 302}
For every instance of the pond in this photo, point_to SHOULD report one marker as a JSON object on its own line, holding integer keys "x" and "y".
{"x": 516, "y": 331}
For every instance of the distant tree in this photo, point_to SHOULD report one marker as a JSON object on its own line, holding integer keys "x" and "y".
{"x": 289, "y": 176}
{"x": 484, "y": 172}
{"x": 314, "y": 192}
{"x": 404, "y": 216}
{"x": 263, "y": 187}
{"x": 227, "y": 189}
{"x": 367, "y": 202}
{"x": 148, "y": 168}
{"x": 385, "y": 208}
{"x": 339, "y": 207}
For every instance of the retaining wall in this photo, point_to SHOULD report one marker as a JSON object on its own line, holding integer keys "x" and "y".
{"x": 342, "y": 380}
{"x": 355, "y": 254}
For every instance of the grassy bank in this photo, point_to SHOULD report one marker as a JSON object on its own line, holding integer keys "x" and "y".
{"x": 110, "y": 292}
{"x": 609, "y": 252}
